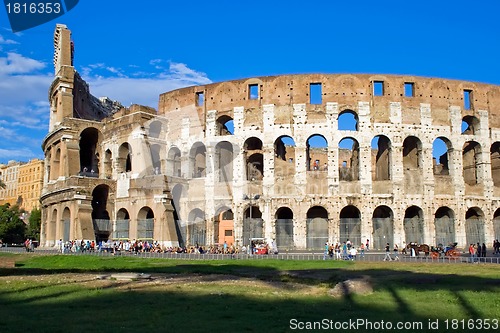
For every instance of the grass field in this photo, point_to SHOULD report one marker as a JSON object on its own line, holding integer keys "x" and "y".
{"x": 63, "y": 294}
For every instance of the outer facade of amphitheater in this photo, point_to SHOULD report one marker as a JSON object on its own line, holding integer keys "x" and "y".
{"x": 299, "y": 159}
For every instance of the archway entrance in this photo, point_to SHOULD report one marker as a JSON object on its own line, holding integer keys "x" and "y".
{"x": 224, "y": 227}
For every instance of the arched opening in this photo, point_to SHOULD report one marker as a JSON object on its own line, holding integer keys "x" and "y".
{"x": 180, "y": 226}
{"x": 383, "y": 227}
{"x": 224, "y": 161}
{"x": 124, "y": 158}
{"x": 350, "y": 225}
{"x": 348, "y": 159}
{"x": 316, "y": 228}
{"x": 66, "y": 224}
{"x": 253, "y": 224}
{"x": 108, "y": 164}
{"x": 381, "y": 158}
{"x": 284, "y": 228}
{"x": 444, "y": 223}
{"x": 225, "y": 125}
{"x": 348, "y": 121}
{"x": 412, "y": 153}
{"x": 495, "y": 163}
{"x": 89, "y": 152}
{"x": 470, "y": 125}
{"x": 100, "y": 214}
{"x": 122, "y": 224}
{"x": 156, "y": 159}
{"x": 56, "y": 164}
{"x": 441, "y": 150}
{"x": 316, "y": 153}
{"x": 284, "y": 157}
{"x": 52, "y": 226}
{"x": 474, "y": 226}
{"x": 254, "y": 158}
{"x": 224, "y": 226}
{"x": 197, "y": 157}
{"x": 496, "y": 224}
{"x": 174, "y": 162}
{"x": 471, "y": 160}
{"x": 196, "y": 228}
{"x": 145, "y": 223}
{"x": 414, "y": 225}
{"x": 155, "y": 129}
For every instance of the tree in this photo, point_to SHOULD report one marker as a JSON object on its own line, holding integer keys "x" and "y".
{"x": 2, "y": 184}
{"x": 12, "y": 227}
{"x": 34, "y": 224}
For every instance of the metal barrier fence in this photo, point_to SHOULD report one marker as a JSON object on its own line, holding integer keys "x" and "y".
{"x": 368, "y": 257}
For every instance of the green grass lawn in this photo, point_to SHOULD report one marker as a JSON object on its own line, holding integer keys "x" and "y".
{"x": 61, "y": 294}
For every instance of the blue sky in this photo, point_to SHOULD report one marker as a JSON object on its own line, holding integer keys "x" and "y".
{"x": 131, "y": 51}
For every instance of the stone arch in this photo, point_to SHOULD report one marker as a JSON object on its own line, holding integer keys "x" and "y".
{"x": 441, "y": 152}
{"x": 224, "y": 161}
{"x": 56, "y": 164}
{"x": 383, "y": 227}
{"x": 145, "y": 223}
{"x": 100, "y": 213}
{"x": 90, "y": 140}
{"x": 316, "y": 153}
{"x": 495, "y": 163}
{"x": 197, "y": 158}
{"x": 470, "y": 125}
{"x": 414, "y": 225}
{"x": 496, "y": 224}
{"x": 52, "y": 226}
{"x": 224, "y": 125}
{"x": 444, "y": 224}
{"x": 474, "y": 226}
{"x": 155, "y": 129}
{"x": 254, "y": 164}
{"x": 412, "y": 153}
{"x": 125, "y": 158}
{"x": 196, "y": 231}
{"x": 108, "y": 164}
{"x": 224, "y": 226}
{"x": 284, "y": 156}
{"x": 284, "y": 228}
{"x": 253, "y": 224}
{"x": 348, "y": 120}
{"x": 471, "y": 160}
{"x": 174, "y": 162}
{"x": 350, "y": 225}
{"x": 381, "y": 158}
{"x": 348, "y": 159}
{"x": 122, "y": 224}
{"x": 316, "y": 227}
{"x": 66, "y": 224}
{"x": 155, "y": 150}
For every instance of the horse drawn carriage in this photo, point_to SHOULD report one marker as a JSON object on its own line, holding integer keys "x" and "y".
{"x": 449, "y": 251}
{"x": 414, "y": 249}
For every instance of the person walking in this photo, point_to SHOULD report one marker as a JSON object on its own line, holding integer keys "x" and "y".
{"x": 387, "y": 253}
{"x": 483, "y": 251}
{"x": 396, "y": 251}
{"x": 362, "y": 250}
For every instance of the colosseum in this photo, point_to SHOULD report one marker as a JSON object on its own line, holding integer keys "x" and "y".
{"x": 297, "y": 159}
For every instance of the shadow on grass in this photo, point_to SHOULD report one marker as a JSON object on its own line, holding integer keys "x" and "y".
{"x": 397, "y": 298}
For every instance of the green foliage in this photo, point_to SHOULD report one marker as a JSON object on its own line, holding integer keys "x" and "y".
{"x": 2, "y": 184}
{"x": 34, "y": 224}
{"x": 12, "y": 227}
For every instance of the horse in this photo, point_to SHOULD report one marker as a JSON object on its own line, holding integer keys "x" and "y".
{"x": 417, "y": 248}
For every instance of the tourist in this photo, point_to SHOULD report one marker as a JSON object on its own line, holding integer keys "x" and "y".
{"x": 483, "y": 251}
{"x": 325, "y": 253}
{"x": 362, "y": 250}
{"x": 367, "y": 245}
{"x": 396, "y": 251}
{"x": 387, "y": 253}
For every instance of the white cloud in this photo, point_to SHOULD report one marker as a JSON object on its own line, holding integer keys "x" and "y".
{"x": 7, "y": 41}
{"x": 145, "y": 88}
{"x": 24, "y": 105}
{"x": 15, "y": 63}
